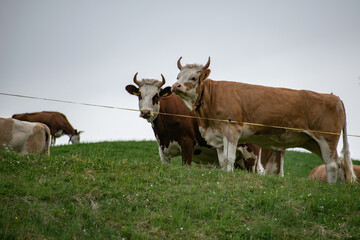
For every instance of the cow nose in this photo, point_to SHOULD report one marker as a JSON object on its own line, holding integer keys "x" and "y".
{"x": 145, "y": 113}
{"x": 175, "y": 87}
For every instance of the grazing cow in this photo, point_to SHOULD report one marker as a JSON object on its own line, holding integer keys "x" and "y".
{"x": 319, "y": 173}
{"x": 311, "y": 114}
{"x": 270, "y": 160}
{"x": 24, "y": 137}
{"x": 57, "y": 122}
{"x": 178, "y": 134}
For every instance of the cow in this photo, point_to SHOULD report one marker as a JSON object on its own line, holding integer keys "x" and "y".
{"x": 57, "y": 122}
{"x": 177, "y": 133}
{"x": 256, "y": 158}
{"x": 319, "y": 173}
{"x": 273, "y": 118}
{"x": 24, "y": 137}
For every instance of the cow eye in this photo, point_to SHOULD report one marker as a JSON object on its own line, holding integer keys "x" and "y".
{"x": 156, "y": 99}
{"x": 193, "y": 79}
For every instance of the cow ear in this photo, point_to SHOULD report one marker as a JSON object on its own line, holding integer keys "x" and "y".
{"x": 204, "y": 74}
{"x": 165, "y": 92}
{"x": 132, "y": 90}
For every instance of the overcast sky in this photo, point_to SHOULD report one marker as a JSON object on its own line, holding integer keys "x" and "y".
{"x": 88, "y": 51}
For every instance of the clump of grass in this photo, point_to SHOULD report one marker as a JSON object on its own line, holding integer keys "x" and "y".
{"x": 122, "y": 190}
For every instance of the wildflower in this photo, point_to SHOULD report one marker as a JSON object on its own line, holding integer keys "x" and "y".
{"x": 16, "y": 218}
{"x": 321, "y": 207}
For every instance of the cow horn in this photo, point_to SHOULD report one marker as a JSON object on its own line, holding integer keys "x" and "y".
{"x": 207, "y": 64}
{"x": 135, "y": 80}
{"x": 163, "y": 80}
{"x": 179, "y": 64}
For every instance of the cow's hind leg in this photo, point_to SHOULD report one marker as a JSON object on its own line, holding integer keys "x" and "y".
{"x": 330, "y": 158}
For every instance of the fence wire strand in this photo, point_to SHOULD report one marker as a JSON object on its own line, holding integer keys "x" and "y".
{"x": 178, "y": 115}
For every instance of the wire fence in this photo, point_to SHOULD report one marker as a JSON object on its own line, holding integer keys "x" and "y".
{"x": 177, "y": 115}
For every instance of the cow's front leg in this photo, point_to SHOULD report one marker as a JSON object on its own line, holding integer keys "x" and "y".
{"x": 227, "y": 155}
{"x": 187, "y": 148}
{"x": 164, "y": 159}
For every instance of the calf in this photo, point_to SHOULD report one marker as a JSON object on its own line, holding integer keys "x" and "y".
{"x": 319, "y": 173}
{"x": 57, "y": 122}
{"x": 300, "y": 118}
{"x": 24, "y": 137}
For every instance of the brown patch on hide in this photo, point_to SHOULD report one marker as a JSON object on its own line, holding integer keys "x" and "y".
{"x": 36, "y": 141}
{"x": 189, "y": 86}
{"x": 6, "y": 128}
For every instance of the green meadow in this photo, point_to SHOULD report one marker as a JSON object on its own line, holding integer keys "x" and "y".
{"x": 121, "y": 190}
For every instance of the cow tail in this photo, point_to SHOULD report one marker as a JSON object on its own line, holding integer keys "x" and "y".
{"x": 47, "y": 140}
{"x": 348, "y": 165}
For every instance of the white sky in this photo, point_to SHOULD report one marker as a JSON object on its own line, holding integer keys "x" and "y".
{"x": 88, "y": 51}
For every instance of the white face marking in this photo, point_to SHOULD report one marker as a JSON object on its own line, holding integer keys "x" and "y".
{"x": 149, "y": 100}
{"x": 188, "y": 81}
{"x": 146, "y": 102}
{"x": 75, "y": 139}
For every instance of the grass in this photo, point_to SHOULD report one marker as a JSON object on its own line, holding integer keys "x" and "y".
{"x": 120, "y": 190}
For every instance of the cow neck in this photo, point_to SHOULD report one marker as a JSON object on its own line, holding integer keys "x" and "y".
{"x": 199, "y": 103}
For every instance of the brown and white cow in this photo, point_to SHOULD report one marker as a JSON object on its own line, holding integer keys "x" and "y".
{"x": 312, "y": 112}
{"x": 319, "y": 173}
{"x": 177, "y": 132}
{"x": 256, "y": 158}
{"x": 24, "y": 137}
{"x": 176, "y": 136}
{"x": 57, "y": 122}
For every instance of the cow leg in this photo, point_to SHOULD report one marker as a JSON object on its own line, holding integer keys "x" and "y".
{"x": 281, "y": 163}
{"x": 164, "y": 159}
{"x": 259, "y": 168}
{"x": 187, "y": 149}
{"x": 53, "y": 139}
{"x": 227, "y": 155}
{"x": 330, "y": 159}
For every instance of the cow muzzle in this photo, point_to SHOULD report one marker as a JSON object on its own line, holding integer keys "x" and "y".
{"x": 176, "y": 87}
{"x": 145, "y": 114}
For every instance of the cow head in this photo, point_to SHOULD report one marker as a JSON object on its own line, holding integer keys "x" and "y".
{"x": 149, "y": 92}
{"x": 75, "y": 137}
{"x": 188, "y": 80}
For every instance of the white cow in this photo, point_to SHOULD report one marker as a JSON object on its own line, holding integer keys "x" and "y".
{"x": 24, "y": 137}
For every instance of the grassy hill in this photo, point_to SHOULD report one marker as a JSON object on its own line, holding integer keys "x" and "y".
{"x": 120, "y": 190}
